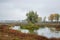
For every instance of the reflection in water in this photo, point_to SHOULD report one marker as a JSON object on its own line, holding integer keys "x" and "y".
{"x": 24, "y": 30}
{"x": 48, "y": 33}
{"x": 18, "y": 28}
{"x": 15, "y": 27}
{"x": 42, "y": 31}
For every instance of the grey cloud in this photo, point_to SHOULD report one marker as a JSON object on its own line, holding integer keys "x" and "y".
{"x": 19, "y": 8}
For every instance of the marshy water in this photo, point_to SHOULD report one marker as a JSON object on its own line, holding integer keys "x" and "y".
{"x": 47, "y": 32}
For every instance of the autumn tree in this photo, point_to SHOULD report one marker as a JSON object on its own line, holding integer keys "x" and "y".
{"x": 56, "y": 17}
{"x": 51, "y": 17}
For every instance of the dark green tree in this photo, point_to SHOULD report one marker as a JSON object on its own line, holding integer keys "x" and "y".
{"x": 32, "y": 17}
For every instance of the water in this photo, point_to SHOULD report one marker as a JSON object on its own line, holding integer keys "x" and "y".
{"x": 41, "y": 31}
{"x": 22, "y": 30}
{"x": 48, "y": 33}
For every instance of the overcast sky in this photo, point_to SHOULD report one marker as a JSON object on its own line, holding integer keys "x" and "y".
{"x": 17, "y": 9}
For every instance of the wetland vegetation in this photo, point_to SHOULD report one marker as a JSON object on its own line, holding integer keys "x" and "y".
{"x": 33, "y": 25}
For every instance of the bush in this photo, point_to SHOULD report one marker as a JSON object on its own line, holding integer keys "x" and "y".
{"x": 30, "y": 26}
